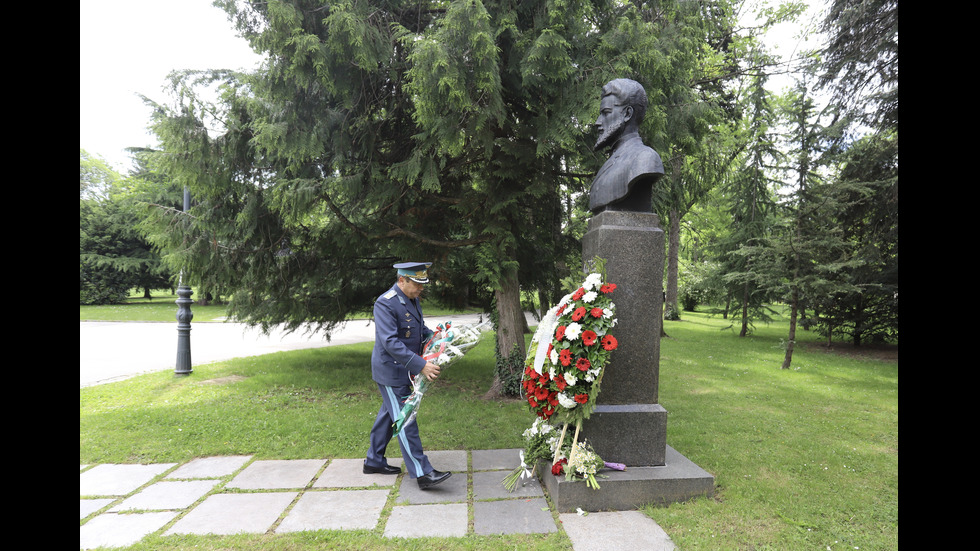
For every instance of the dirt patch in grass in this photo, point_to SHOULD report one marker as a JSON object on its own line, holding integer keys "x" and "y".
{"x": 223, "y": 380}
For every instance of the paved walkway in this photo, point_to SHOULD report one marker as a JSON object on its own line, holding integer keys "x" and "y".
{"x": 120, "y": 504}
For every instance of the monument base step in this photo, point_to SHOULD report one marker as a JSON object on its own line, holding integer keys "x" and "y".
{"x": 679, "y": 479}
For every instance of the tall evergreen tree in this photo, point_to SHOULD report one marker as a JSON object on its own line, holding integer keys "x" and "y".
{"x": 751, "y": 190}
{"x": 382, "y": 131}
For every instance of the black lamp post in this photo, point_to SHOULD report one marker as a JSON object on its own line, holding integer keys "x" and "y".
{"x": 184, "y": 315}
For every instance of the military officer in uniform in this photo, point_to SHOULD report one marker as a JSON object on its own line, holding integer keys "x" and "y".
{"x": 400, "y": 333}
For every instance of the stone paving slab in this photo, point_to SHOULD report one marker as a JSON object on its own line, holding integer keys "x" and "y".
{"x": 277, "y": 474}
{"x": 451, "y": 490}
{"x": 211, "y": 467}
{"x": 513, "y": 516}
{"x": 493, "y": 460}
{"x": 115, "y": 530}
{"x": 615, "y": 531}
{"x": 226, "y": 514}
{"x": 489, "y": 485}
{"x": 167, "y": 495}
{"x": 433, "y": 520}
{"x": 448, "y": 460}
{"x": 336, "y": 510}
{"x": 89, "y": 506}
{"x": 118, "y": 480}
{"x": 349, "y": 473}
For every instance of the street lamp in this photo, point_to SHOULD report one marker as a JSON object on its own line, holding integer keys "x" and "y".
{"x": 184, "y": 315}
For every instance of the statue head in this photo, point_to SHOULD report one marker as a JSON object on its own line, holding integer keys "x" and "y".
{"x": 621, "y": 109}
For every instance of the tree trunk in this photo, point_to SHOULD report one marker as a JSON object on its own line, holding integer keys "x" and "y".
{"x": 792, "y": 330}
{"x": 510, "y": 325}
{"x": 673, "y": 255}
{"x": 745, "y": 311}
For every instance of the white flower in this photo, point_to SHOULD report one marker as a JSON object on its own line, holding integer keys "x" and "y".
{"x": 554, "y": 356}
{"x": 570, "y": 379}
{"x": 592, "y": 281}
{"x": 608, "y": 312}
{"x": 583, "y": 513}
{"x": 573, "y": 331}
{"x": 590, "y": 296}
{"x": 566, "y": 401}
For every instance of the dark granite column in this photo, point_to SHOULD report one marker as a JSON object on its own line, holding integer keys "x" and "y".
{"x": 629, "y": 425}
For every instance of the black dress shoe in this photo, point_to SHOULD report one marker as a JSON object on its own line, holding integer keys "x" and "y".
{"x": 387, "y": 469}
{"x": 431, "y": 479}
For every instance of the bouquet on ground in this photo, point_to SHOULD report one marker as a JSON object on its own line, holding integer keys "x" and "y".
{"x": 583, "y": 463}
{"x": 567, "y": 358}
{"x": 539, "y": 440}
{"x": 445, "y": 345}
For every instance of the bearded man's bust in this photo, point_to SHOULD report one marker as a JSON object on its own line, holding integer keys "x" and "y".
{"x": 625, "y": 181}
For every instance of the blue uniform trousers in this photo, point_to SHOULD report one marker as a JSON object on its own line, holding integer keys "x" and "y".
{"x": 416, "y": 463}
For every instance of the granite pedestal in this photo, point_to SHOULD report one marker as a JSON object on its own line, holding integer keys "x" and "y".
{"x": 628, "y": 424}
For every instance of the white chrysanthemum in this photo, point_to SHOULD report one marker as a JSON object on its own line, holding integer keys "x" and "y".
{"x": 573, "y": 331}
{"x": 570, "y": 379}
{"x": 592, "y": 281}
{"x": 554, "y": 356}
{"x": 590, "y": 296}
{"x": 608, "y": 312}
{"x": 566, "y": 401}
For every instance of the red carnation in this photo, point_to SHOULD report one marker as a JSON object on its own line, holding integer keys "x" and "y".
{"x": 543, "y": 379}
{"x": 609, "y": 342}
{"x": 608, "y": 288}
{"x": 560, "y": 333}
{"x": 532, "y": 403}
{"x": 560, "y": 382}
{"x": 565, "y": 357}
{"x": 581, "y": 398}
{"x": 596, "y": 312}
{"x": 579, "y": 313}
{"x": 558, "y": 467}
{"x": 589, "y": 337}
{"x": 578, "y": 294}
{"x": 583, "y": 364}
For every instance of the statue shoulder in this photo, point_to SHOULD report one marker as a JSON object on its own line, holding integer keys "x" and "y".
{"x": 646, "y": 159}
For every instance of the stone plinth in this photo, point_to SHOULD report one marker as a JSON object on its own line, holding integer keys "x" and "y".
{"x": 678, "y": 480}
{"x": 628, "y": 425}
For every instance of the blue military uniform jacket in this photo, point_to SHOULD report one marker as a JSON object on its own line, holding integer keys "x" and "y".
{"x": 399, "y": 334}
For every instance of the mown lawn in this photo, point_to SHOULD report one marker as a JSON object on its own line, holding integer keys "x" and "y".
{"x": 804, "y": 458}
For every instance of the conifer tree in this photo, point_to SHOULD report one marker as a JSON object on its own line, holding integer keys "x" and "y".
{"x": 375, "y": 132}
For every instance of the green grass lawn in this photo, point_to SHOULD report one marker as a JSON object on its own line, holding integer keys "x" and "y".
{"x": 804, "y": 458}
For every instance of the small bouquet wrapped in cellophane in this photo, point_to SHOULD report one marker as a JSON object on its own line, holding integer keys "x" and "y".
{"x": 583, "y": 464}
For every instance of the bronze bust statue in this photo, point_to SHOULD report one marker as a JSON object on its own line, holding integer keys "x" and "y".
{"x": 625, "y": 181}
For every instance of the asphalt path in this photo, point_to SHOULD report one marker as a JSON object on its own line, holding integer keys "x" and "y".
{"x": 111, "y": 351}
